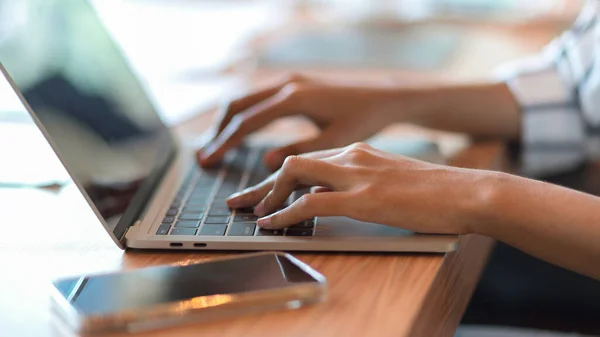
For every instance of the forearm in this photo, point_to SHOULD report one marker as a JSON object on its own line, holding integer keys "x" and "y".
{"x": 556, "y": 224}
{"x": 481, "y": 110}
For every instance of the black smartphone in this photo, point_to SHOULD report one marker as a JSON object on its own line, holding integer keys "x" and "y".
{"x": 158, "y": 297}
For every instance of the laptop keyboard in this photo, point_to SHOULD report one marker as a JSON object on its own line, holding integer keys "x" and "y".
{"x": 200, "y": 207}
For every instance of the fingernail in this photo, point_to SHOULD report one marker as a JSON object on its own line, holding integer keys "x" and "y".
{"x": 264, "y": 222}
{"x": 259, "y": 210}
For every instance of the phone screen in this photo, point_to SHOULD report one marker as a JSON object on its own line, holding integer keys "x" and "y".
{"x": 103, "y": 294}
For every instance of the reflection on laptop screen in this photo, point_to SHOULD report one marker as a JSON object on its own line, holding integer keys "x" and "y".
{"x": 92, "y": 107}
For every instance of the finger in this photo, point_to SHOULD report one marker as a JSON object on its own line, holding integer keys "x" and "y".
{"x": 240, "y": 104}
{"x": 275, "y": 158}
{"x": 252, "y": 119}
{"x": 307, "y": 207}
{"x": 252, "y": 195}
{"x": 329, "y": 138}
{"x": 300, "y": 171}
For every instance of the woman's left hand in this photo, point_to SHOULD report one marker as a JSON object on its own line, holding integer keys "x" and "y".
{"x": 369, "y": 185}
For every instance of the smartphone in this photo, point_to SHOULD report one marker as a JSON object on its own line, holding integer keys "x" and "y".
{"x": 158, "y": 297}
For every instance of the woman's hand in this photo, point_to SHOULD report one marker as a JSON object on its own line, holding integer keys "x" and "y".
{"x": 369, "y": 185}
{"x": 344, "y": 115}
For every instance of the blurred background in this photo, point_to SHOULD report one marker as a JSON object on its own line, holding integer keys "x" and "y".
{"x": 193, "y": 54}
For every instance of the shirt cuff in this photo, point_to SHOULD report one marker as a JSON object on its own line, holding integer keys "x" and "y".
{"x": 552, "y": 129}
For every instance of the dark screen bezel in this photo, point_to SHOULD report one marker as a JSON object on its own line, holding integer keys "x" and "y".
{"x": 139, "y": 202}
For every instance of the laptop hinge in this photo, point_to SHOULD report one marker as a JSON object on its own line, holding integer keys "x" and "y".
{"x": 123, "y": 239}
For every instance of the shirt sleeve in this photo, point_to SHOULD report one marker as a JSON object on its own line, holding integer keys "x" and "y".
{"x": 558, "y": 93}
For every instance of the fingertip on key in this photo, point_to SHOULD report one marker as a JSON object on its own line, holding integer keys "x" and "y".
{"x": 264, "y": 222}
{"x": 234, "y": 200}
{"x": 259, "y": 210}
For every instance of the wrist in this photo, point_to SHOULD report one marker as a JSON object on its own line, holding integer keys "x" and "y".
{"x": 485, "y": 203}
{"x": 415, "y": 104}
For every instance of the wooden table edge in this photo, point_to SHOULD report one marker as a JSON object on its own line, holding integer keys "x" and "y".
{"x": 459, "y": 273}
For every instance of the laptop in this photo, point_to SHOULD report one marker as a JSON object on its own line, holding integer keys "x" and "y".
{"x": 140, "y": 180}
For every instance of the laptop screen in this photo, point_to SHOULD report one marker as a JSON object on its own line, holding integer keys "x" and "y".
{"x": 89, "y": 102}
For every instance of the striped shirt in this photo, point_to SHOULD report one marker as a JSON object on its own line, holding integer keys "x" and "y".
{"x": 558, "y": 92}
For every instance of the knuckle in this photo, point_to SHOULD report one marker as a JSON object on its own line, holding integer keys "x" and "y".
{"x": 293, "y": 91}
{"x": 294, "y": 77}
{"x": 291, "y": 163}
{"x": 305, "y": 202}
{"x": 233, "y": 105}
{"x": 356, "y": 154}
{"x": 360, "y": 145}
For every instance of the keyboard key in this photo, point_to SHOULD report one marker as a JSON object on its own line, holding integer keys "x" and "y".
{"x": 213, "y": 230}
{"x": 199, "y": 197}
{"x": 163, "y": 229}
{"x": 219, "y": 211}
{"x": 205, "y": 182}
{"x": 202, "y": 189}
{"x": 225, "y": 192}
{"x": 197, "y": 202}
{"x": 176, "y": 203}
{"x": 191, "y": 216}
{"x": 268, "y": 232}
{"x": 209, "y": 174}
{"x": 183, "y": 231}
{"x": 188, "y": 224}
{"x": 245, "y": 218}
{"x": 238, "y": 162}
{"x": 189, "y": 175}
{"x": 172, "y": 211}
{"x": 229, "y": 185}
{"x": 168, "y": 219}
{"x": 298, "y": 193}
{"x": 241, "y": 229}
{"x": 247, "y": 210}
{"x": 219, "y": 203}
{"x": 194, "y": 209}
{"x": 233, "y": 176}
{"x": 305, "y": 224}
{"x": 257, "y": 179}
{"x": 298, "y": 232}
{"x": 217, "y": 220}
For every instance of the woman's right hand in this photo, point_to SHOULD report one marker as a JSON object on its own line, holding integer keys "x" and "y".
{"x": 366, "y": 184}
{"x": 344, "y": 115}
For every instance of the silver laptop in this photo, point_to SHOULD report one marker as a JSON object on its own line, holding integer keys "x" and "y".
{"x": 140, "y": 181}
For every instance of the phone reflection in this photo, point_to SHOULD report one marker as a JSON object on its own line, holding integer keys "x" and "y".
{"x": 193, "y": 286}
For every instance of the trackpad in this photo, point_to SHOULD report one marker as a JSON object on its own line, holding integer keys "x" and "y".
{"x": 342, "y": 226}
